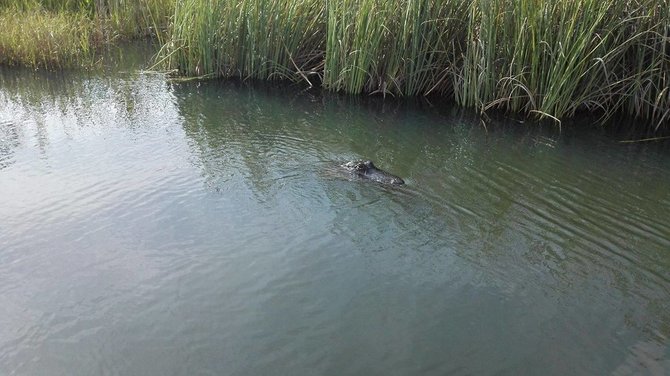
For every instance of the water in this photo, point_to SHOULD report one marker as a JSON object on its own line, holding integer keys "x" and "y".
{"x": 156, "y": 228}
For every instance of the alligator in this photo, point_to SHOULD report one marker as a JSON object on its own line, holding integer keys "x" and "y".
{"x": 367, "y": 170}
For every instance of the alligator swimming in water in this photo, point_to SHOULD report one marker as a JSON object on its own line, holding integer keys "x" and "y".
{"x": 367, "y": 170}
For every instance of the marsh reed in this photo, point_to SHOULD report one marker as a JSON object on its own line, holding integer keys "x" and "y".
{"x": 548, "y": 59}
{"x": 557, "y": 58}
{"x": 248, "y": 39}
{"x": 57, "y": 34}
{"x": 45, "y": 39}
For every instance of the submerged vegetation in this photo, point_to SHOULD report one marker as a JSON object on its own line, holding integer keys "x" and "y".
{"x": 550, "y": 59}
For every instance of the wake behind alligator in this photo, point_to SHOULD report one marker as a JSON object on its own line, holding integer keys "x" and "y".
{"x": 367, "y": 170}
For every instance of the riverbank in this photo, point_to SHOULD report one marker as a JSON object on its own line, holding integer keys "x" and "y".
{"x": 542, "y": 59}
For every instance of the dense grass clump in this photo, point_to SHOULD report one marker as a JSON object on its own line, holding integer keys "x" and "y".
{"x": 133, "y": 19}
{"x": 555, "y": 58}
{"x": 249, "y": 39}
{"x": 66, "y": 33}
{"x": 45, "y": 39}
{"x": 544, "y": 58}
{"x": 404, "y": 47}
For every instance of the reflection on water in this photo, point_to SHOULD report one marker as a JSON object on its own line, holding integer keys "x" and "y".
{"x": 159, "y": 228}
{"x": 9, "y": 140}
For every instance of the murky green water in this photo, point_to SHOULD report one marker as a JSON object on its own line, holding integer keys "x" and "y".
{"x": 150, "y": 228}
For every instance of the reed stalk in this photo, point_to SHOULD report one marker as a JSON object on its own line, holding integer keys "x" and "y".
{"x": 66, "y": 33}
{"x": 400, "y": 48}
{"x": 543, "y": 58}
{"x": 556, "y": 58}
{"x": 247, "y": 39}
{"x": 45, "y": 39}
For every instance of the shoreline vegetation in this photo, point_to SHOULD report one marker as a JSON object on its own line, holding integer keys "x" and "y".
{"x": 541, "y": 58}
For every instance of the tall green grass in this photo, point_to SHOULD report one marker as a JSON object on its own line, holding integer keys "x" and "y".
{"x": 544, "y": 58}
{"x": 66, "y": 33}
{"x": 556, "y": 58}
{"x": 133, "y": 19}
{"x": 249, "y": 39}
{"x": 400, "y": 48}
{"x": 45, "y": 39}
{"x": 123, "y": 18}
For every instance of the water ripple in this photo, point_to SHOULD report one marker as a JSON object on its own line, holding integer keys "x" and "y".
{"x": 155, "y": 229}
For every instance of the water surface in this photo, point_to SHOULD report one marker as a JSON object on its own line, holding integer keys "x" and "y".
{"x": 157, "y": 228}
